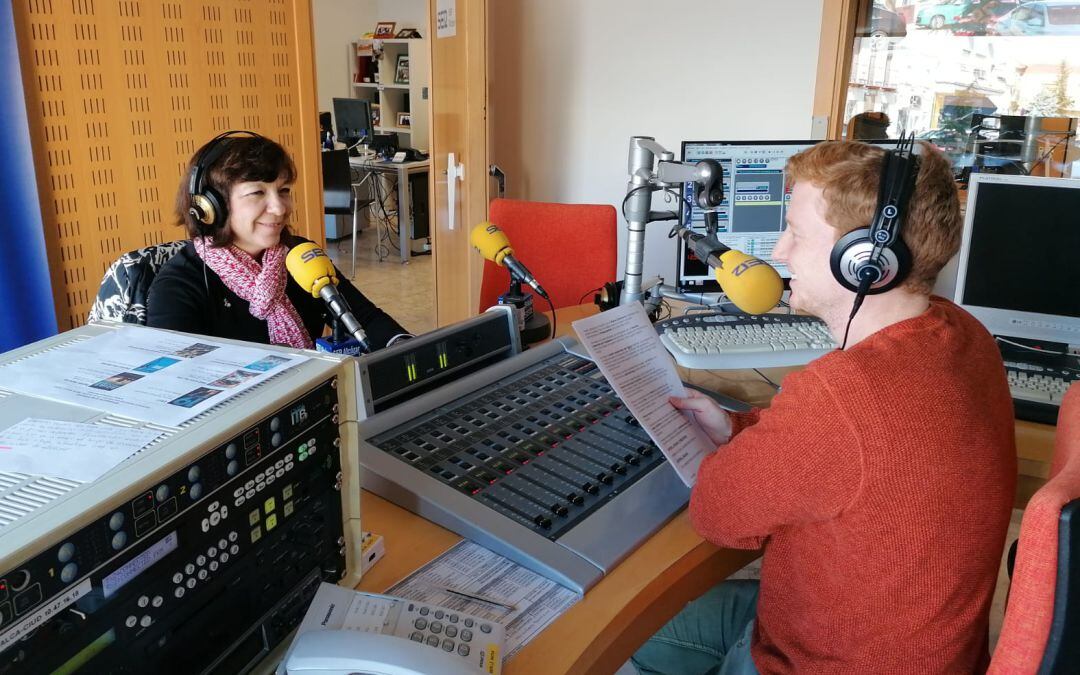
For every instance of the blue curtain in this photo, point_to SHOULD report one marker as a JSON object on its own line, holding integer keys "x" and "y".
{"x": 26, "y": 300}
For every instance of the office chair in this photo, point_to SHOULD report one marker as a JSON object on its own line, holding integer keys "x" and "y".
{"x": 123, "y": 290}
{"x": 340, "y": 192}
{"x": 571, "y": 249}
{"x": 337, "y": 182}
{"x": 1041, "y": 632}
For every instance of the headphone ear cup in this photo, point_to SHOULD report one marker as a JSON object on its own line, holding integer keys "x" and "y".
{"x": 208, "y": 208}
{"x": 608, "y": 297}
{"x": 219, "y": 206}
{"x": 201, "y": 209}
{"x": 851, "y": 255}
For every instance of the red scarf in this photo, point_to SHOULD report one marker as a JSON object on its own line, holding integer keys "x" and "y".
{"x": 261, "y": 285}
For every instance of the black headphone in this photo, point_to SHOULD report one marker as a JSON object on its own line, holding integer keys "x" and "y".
{"x": 874, "y": 259}
{"x": 208, "y": 207}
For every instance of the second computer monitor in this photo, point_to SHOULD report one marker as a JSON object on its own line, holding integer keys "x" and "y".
{"x": 1017, "y": 268}
{"x": 751, "y": 217}
{"x": 352, "y": 118}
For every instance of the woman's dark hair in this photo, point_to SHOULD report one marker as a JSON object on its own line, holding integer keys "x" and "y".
{"x": 245, "y": 158}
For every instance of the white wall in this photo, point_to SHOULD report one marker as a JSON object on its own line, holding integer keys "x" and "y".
{"x": 572, "y": 80}
{"x": 339, "y": 22}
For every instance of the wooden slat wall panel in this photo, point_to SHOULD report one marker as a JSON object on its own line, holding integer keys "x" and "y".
{"x": 121, "y": 93}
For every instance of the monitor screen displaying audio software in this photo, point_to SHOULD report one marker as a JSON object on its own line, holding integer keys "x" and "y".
{"x": 751, "y": 216}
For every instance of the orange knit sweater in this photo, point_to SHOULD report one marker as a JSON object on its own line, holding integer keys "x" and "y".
{"x": 880, "y": 482}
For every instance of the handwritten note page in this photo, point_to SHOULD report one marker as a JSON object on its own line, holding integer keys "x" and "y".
{"x": 629, "y": 354}
{"x": 72, "y": 450}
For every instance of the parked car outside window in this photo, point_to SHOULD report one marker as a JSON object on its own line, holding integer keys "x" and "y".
{"x": 1044, "y": 17}
{"x": 973, "y": 15}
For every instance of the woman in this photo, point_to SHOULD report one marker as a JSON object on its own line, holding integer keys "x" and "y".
{"x": 230, "y": 279}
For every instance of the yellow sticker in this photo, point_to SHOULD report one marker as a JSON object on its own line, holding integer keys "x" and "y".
{"x": 271, "y": 522}
{"x": 269, "y": 505}
{"x": 256, "y": 534}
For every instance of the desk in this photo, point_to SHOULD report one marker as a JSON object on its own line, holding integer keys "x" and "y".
{"x": 631, "y": 603}
{"x": 402, "y": 170}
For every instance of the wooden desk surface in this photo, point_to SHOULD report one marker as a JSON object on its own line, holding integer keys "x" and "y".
{"x": 674, "y": 566}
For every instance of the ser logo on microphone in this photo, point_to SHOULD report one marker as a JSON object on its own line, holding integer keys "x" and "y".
{"x": 746, "y": 265}
{"x": 311, "y": 254}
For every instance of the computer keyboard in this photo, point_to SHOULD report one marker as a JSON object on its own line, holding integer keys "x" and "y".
{"x": 716, "y": 341}
{"x": 1037, "y": 390}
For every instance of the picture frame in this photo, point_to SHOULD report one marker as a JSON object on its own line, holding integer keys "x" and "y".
{"x": 376, "y": 114}
{"x": 384, "y": 29}
{"x": 401, "y": 69}
{"x": 404, "y": 119}
{"x": 408, "y": 34}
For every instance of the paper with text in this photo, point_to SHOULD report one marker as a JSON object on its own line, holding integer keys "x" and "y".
{"x": 628, "y": 352}
{"x": 146, "y": 374}
{"x": 471, "y": 568}
{"x": 71, "y": 450}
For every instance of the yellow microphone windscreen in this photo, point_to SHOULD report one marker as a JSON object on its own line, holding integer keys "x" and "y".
{"x": 749, "y": 282}
{"x": 491, "y": 242}
{"x": 310, "y": 267}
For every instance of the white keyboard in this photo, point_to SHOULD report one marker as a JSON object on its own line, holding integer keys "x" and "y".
{"x": 716, "y": 341}
{"x": 1030, "y": 382}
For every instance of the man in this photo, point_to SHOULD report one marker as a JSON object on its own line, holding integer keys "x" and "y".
{"x": 879, "y": 481}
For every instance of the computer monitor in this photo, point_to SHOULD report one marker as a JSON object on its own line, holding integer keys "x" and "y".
{"x": 1017, "y": 271}
{"x": 353, "y": 116}
{"x": 751, "y": 217}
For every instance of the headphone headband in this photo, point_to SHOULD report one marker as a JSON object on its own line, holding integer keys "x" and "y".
{"x": 898, "y": 173}
{"x": 207, "y": 206}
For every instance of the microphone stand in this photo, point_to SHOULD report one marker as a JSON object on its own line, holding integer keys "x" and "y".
{"x": 532, "y": 325}
{"x": 340, "y": 340}
{"x": 644, "y": 180}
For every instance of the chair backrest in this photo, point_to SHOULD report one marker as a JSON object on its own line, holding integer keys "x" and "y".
{"x": 1041, "y": 631}
{"x": 123, "y": 290}
{"x": 337, "y": 182}
{"x": 571, "y": 249}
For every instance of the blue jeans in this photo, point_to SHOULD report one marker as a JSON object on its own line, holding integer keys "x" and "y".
{"x": 710, "y": 636}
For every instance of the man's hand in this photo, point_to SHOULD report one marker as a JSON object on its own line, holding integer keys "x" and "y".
{"x": 712, "y": 419}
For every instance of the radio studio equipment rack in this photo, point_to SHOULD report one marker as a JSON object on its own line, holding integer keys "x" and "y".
{"x": 530, "y": 454}
{"x": 200, "y": 553}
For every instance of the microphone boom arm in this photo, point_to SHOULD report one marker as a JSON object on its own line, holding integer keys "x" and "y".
{"x": 707, "y": 178}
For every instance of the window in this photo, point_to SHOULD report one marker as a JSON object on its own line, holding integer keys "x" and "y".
{"x": 994, "y": 83}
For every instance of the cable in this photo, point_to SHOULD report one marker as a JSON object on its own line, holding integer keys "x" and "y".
{"x": 766, "y": 378}
{"x": 1036, "y": 349}
{"x": 399, "y": 337}
{"x": 860, "y": 295}
{"x": 554, "y": 319}
{"x": 588, "y": 293}
{"x": 671, "y": 214}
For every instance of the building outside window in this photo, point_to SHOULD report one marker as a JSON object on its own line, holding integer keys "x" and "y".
{"x": 994, "y": 83}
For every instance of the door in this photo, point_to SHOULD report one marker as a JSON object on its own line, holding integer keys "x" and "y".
{"x": 459, "y": 128}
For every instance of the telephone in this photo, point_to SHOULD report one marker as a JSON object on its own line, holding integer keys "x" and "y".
{"x": 346, "y": 631}
{"x": 408, "y": 155}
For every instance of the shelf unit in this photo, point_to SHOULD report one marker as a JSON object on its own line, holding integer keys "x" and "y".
{"x": 390, "y": 96}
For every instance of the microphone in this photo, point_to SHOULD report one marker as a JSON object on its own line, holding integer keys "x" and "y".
{"x": 310, "y": 267}
{"x": 491, "y": 242}
{"x": 749, "y": 282}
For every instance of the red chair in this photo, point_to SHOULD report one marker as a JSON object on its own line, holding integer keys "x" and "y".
{"x": 1041, "y": 632}
{"x": 571, "y": 249}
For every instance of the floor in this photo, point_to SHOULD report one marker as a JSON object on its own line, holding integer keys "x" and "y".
{"x": 405, "y": 292}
